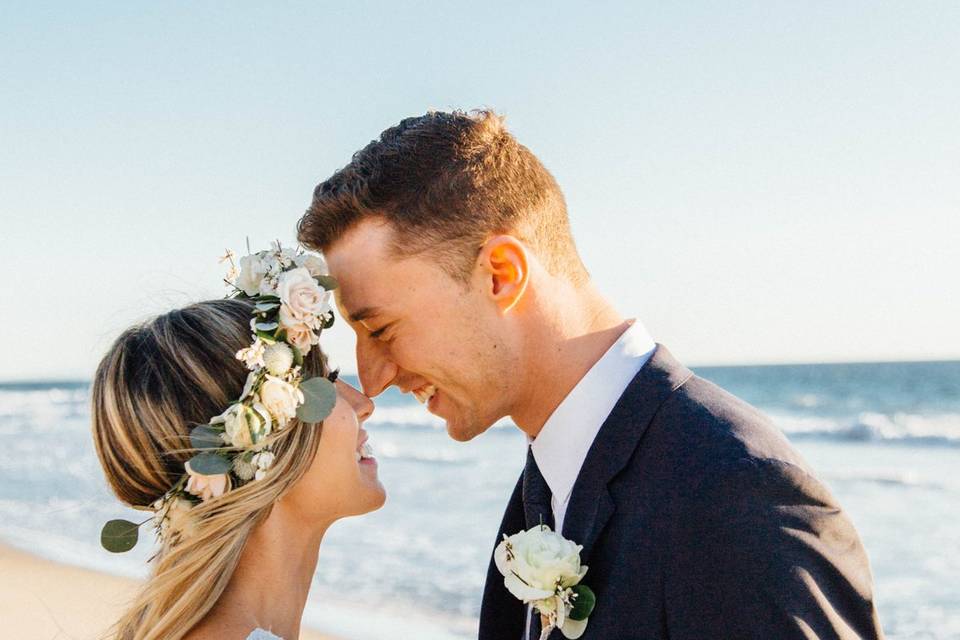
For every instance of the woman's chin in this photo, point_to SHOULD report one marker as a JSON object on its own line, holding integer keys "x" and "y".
{"x": 373, "y": 493}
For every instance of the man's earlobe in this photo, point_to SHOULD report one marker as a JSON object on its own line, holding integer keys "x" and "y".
{"x": 504, "y": 261}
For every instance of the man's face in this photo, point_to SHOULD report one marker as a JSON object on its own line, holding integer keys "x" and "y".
{"x": 421, "y": 330}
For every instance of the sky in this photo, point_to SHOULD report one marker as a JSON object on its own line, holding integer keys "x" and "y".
{"x": 758, "y": 182}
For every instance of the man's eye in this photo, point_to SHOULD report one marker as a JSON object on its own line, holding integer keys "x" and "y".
{"x": 376, "y": 335}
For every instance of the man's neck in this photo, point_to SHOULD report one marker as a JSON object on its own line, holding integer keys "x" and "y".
{"x": 562, "y": 352}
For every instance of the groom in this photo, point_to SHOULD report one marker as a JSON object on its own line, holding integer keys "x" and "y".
{"x": 460, "y": 277}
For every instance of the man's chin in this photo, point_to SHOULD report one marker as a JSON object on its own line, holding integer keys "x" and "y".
{"x": 464, "y": 432}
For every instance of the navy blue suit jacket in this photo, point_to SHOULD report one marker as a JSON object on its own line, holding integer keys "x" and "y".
{"x": 699, "y": 520}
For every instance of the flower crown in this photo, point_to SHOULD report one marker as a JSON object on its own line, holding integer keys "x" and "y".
{"x": 291, "y": 292}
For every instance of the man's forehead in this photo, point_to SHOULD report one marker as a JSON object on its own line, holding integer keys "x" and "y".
{"x": 356, "y": 304}
{"x": 366, "y": 240}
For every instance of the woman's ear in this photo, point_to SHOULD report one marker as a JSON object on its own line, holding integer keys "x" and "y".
{"x": 503, "y": 263}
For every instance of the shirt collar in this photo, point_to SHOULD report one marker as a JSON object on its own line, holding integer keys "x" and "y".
{"x": 562, "y": 444}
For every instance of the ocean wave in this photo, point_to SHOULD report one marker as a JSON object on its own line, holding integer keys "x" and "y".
{"x": 909, "y": 479}
{"x": 391, "y": 451}
{"x": 408, "y": 415}
{"x": 900, "y": 428}
{"x": 414, "y": 416}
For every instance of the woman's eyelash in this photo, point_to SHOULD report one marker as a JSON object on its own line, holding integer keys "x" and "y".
{"x": 333, "y": 375}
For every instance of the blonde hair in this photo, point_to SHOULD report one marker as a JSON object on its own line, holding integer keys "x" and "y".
{"x": 157, "y": 381}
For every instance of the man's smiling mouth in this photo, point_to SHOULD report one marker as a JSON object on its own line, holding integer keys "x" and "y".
{"x": 424, "y": 393}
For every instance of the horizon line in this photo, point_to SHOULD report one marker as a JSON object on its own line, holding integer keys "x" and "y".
{"x": 739, "y": 365}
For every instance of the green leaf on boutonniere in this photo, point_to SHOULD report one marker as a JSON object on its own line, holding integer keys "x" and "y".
{"x": 118, "y": 536}
{"x": 319, "y": 396}
{"x": 205, "y": 437}
{"x": 327, "y": 282}
{"x": 209, "y": 464}
{"x": 584, "y": 603}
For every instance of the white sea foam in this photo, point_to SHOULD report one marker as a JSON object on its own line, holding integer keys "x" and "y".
{"x": 899, "y": 428}
{"x": 413, "y": 416}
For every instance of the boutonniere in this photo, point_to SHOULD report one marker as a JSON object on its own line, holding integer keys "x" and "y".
{"x": 542, "y": 568}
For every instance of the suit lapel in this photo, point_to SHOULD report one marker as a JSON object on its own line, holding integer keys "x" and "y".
{"x": 591, "y": 506}
{"x": 501, "y": 614}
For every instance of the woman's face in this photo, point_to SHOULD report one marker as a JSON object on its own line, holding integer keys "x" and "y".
{"x": 338, "y": 484}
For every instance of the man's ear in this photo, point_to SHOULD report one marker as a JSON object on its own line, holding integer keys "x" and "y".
{"x": 503, "y": 263}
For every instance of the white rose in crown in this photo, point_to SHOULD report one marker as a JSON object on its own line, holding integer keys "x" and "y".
{"x": 252, "y": 270}
{"x": 313, "y": 263}
{"x": 542, "y": 568}
{"x": 302, "y": 297}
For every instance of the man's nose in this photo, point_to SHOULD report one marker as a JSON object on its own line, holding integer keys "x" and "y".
{"x": 375, "y": 370}
{"x": 362, "y": 405}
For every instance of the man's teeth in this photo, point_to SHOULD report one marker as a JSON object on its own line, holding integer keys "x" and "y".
{"x": 423, "y": 394}
{"x": 366, "y": 451}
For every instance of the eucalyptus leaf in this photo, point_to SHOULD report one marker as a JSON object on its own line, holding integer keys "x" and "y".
{"x": 205, "y": 437}
{"x": 319, "y": 396}
{"x": 267, "y": 306}
{"x": 118, "y": 536}
{"x": 584, "y": 603}
{"x": 327, "y": 282}
{"x": 266, "y": 326}
{"x": 268, "y": 298}
{"x": 328, "y": 321}
{"x": 209, "y": 464}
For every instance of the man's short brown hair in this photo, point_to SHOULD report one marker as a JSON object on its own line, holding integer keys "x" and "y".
{"x": 447, "y": 182}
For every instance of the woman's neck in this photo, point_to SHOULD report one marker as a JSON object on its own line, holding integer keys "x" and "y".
{"x": 269, "y": 587}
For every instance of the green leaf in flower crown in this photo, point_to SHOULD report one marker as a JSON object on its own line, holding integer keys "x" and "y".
{"x": 328, "y": 321}
{"x": 297, "y": 355}
{"x": 319, "y": 396}
{"x": 118, "y": 536}
{"x": 205, "y": 437}
{"x": 210, "y": 464}
{"x": 268, "y": 298}
{"x": 266, "y": 336}
{"x": 327, "y": 282}
{"x": 266, "y": 326}
{"x": 584, "y": 602}
{"x": 263, "y": 307}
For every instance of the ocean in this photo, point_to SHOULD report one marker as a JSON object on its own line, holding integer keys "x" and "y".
{"x": 884, "y": 437}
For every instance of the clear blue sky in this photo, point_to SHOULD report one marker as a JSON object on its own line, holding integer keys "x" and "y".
{"x": 758, "y": 181}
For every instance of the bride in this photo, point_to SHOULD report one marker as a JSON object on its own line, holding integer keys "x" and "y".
{"x": 242, "y": 501}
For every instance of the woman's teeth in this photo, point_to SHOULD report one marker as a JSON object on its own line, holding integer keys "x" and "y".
{"x": 424, "y": 393}
{"x": 366, "y": 451}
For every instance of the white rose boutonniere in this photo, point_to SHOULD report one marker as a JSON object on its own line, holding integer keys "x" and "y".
{"x": 542, "y": 568}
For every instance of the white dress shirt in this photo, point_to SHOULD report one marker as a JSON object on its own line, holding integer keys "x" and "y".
{"x": 566, "y": 437}
{"x": 562, "y": 444}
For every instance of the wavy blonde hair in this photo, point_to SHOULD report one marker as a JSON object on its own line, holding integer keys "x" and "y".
{"x": 157, "y": 381}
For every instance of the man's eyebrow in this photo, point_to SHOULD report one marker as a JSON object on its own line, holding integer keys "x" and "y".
{"x": 363, "y": 314}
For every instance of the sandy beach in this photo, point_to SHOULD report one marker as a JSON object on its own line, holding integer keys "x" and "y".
{"x": 44, "y": 600}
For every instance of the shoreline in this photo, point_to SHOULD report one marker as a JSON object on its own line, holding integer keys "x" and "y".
{"x": 43, "y": 599}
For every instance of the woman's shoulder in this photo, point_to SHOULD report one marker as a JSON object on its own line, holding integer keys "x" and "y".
{"x": 260, "y": 634}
